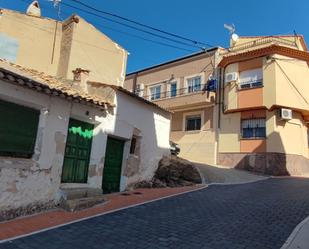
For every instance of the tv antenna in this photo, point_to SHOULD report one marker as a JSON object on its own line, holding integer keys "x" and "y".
{"x": 230, "y": 27}
{"x": 57, "y": 5}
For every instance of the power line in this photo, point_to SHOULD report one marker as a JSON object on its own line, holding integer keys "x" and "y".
{"x": 145, "y": 39}
{"x": 143, "y": 25}
{"x": 132, "y": 35}
{"x": 132, "y": 27}
{"x": 139, "y": 37}
{"x": 125, "y": 33}
{"x": 136, "y": 36}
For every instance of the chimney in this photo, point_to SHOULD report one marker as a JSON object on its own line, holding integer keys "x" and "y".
{"x": 80, "y": 79}
{"x": 34, "y": 9}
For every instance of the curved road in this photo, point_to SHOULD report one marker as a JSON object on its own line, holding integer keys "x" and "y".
{"x": 258, "y": 215}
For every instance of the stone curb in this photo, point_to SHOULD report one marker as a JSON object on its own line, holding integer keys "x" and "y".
{"x": 238, "y": 183}
{"x": 297, "y": 230}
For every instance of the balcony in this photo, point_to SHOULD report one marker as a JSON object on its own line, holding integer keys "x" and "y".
{"x": 250, "y": 84}
{"x": 262, "y": 42}
{"x": 183, "y": 97}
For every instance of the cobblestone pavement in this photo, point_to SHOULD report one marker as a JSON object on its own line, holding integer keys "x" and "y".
{"x": 215, "y": 174}
{"x": 258, "y": 215}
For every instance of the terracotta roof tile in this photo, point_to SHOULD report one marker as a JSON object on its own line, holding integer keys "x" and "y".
{"x": 51, "y": 85}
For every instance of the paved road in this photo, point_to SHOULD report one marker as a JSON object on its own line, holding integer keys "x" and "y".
{"x": 215, "y": 174}
{"x": 258, "y": 215}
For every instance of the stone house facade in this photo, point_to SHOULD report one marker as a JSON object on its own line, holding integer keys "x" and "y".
{"x": 56, "y": 136}
{"x": 66, "y": 122}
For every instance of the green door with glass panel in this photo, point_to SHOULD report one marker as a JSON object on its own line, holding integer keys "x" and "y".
{"x": 112, "y": 165}
{"x": 77, "y": 152}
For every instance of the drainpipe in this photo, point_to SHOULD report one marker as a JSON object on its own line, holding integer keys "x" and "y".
{"x": 135, "y": 83}
{"x": 223, "y": 87}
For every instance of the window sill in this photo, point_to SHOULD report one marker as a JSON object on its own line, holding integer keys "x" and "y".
{"x": 254, "y": 138}
{"x": 16, "y": 163}
{"x": 250, "y": 88}
{"x": 194, "y": 131}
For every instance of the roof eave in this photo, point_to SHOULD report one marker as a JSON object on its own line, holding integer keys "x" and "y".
{"x": 273, "y": 49}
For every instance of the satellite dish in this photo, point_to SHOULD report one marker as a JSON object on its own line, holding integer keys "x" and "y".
{"x": 235, "y": 37}
{"x": 34, "y": 9}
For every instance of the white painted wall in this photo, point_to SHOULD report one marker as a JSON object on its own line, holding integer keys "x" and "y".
{"x": 37, "y": 181}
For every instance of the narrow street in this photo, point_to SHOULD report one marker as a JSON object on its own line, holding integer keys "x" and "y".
{"x": 254, "y": 215}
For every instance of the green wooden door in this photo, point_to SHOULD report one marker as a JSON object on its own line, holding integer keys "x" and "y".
{"x": 77, "y": 152}
{"x": 112, "y": 165}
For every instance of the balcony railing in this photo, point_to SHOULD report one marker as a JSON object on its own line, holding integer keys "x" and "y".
{"x": 176, "y": 93}
{"x": 251, "y": 84}
{"x": 263, "y": 41}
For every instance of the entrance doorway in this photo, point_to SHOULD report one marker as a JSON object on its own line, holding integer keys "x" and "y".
{"x": 112, "y": 165}
{"x": 77, "y": 152}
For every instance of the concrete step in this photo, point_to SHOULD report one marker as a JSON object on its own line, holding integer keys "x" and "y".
{"x": 77, "y": 193}
{"x": 81, "y": 203}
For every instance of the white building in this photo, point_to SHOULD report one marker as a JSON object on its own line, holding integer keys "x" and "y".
{"x": 72, "y": 134}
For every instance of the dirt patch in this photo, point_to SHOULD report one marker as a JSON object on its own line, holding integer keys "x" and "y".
{"x": 173, "y": 172}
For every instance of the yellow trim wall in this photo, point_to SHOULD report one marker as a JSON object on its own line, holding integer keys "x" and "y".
{"x": 289, "y": 137}
{"x": 229, "y": 133}
{"x": 292, "y": 82}
{"x": 285, "y": 84}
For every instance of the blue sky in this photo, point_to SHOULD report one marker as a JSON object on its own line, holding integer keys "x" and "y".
{"x": 200, "y": 20}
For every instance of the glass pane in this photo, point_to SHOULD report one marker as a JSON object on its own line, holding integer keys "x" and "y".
{"x": 197, "y": 84}
{"x": 247, "y": 133}
{"x": 155, "y": 92}
{"x": 190, "y": 125}
{"x": 173, "y": 90}
{"x": 260, "y": 132}
{"x": 193, "y": 123}
{"x": 198, "y": 124}
{"x": 190, "y": 85}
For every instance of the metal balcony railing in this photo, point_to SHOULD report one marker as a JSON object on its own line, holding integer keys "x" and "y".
{"x": 251, "y": 84}
{"x": 176, "y": 93}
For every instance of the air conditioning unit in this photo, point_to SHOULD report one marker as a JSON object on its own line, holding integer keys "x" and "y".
{"x": 230, "y": 77}
{"x": 140, "y": 90}
{"x": 285, "y": 114}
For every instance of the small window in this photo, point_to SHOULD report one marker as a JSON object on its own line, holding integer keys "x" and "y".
{"x": 253, "y": 128}
{"x": 194, "y": 84}
{"x": 173, "y": 89}
{"x": 155, "y": 92}
{"x": 251, "y": 78}
{"x": 133, "y": 145}
{"x": 193, "y": 123}
{"x": 18, "y": 130}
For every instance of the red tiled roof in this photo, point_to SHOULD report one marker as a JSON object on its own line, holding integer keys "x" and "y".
{"x": 47, "y": 84}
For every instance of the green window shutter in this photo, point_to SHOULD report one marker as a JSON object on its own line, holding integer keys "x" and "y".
{"x": 18, "y": 129}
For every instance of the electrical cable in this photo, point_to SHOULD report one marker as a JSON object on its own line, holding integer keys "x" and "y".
{"x": 133, "y": 35}
{"x": 141, "y": 24}
{"x": 132, "y": 27}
